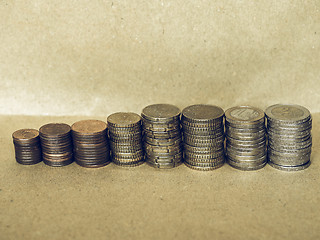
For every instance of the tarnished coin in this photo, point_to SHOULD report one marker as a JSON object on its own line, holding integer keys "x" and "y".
{"x": 204, "y": 166}
{"x": 52, "y": 130}
{"x": 203, "y": 134}
{"x": 290, "y": 168}
{"x": 90, "y": 140}
{"x": 164, "y": 165}
{"x": 202, "y": 113}
{"x": 128, "y": 164}
{"x": 56, "y": 144}
{"x": 287, "y": 113}
{"x": 161, "y": 113}
{"x": 26, "y": 136}
{"x": 27, "y": 146}
{"x": 89, "y": 127}
{"x": 246, "y": 138}
{"x": 244, "y": 115}
{"x": 124, "y": 120}
{"x": 245, "y": 166}
{"x": 125, "y": 134}
{"x": 289, "y": 137}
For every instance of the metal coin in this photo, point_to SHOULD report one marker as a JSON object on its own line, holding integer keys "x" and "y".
{"x": 290, "y": 168}
{"x": 161, "y": 113}
{"x": 124, "y": 119}
{"x": 286, "y": 113}
{"x": 244, "y": 115}
{"x": 202, "y": 113}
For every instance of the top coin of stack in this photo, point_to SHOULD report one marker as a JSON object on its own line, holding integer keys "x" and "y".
{"x": 56, "y": 144}
{"x": 90, "y": 142}
{"x": 126, "y": 139}
{"x": 162, "y": 135}
{"x": 246, "y": 138}
{"x": 27, "y": 146}
{"x": 203, "y": 134}
{"x": 289, "y": 137}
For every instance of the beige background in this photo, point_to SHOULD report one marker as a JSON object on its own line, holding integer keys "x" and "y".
{"x": 87, "y": 59}
{"x": 97, "y": 57}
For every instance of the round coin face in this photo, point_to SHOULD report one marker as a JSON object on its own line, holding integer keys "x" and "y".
{"x": 25, "y": 134}
{"x": 244, "y": 114}
{"x": 286, "y": 112}
{"x": 55, "y": 129}
{"x": 202, "y": 112}
{"x": 160, "y": 111}
{"x": 89, "y": 126}
{"x": 123, "y": 119}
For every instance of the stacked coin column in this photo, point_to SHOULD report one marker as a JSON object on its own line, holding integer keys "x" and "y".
{"x": 56, "y": 144}
{"x": 289, "y": 137}
{"x": 125, "y": 136}
{"x": 162, "y": 135}
{"x": 90, "y": 140}
{"x": 27, "y": 146}
{"x": 203, "y": 134}
{"x": 246, "y": 138}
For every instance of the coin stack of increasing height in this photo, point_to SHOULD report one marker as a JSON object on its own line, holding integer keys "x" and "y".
{"x": 125, "y": 136}
{"x": 246, "y": 138}
{"x": 27, "y": 146}
{"x": 90, "y": 140}
{"x": 56, "y": 144}
{"x": 203, "y": 134}
{"x": 289, "y": 137}
{"x": 162, "y": 135}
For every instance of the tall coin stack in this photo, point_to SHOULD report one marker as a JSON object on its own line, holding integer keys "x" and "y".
{"x": 246, "y": 138}
{"x": 203, "y": 134}
{"x": 27, "y": 146}
{"x": 125, "y": 136}
{"x": 162, "y": 135}
{"x": 56, "y": 144}
{"x": 289, "y": 137}
{"x": 90, "y": 140}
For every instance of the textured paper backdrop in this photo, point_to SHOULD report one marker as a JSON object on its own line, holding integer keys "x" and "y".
{"x": 97, "y": 57}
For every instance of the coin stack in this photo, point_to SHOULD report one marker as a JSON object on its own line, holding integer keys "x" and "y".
{"x": 246, "y": 138}
{"x": 56, "y": 144}
{"x": 162, "y": 135}
{"x": 90, "y": 140}
{"x": 125, "y": 136}
{"x": 27, "y": 146}
{"x": 203, "y": 134}
{"x": 289, "y": 137}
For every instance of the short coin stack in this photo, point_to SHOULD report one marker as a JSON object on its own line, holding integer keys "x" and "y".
{"x": 162, "y": 135}
{"x": 125, "y": 136}
{"x": 90, "y": 140}
{"x": 56, "y": 144}
{"x": 203, "y": 133}
{"x": 289, "y": 137}
{"x": 246, "y": 138}
{"x": 27, "y": 146}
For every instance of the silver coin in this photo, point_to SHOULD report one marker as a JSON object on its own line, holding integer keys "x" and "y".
{"x": 244, "y": 115}
{"x": 246, "y": 167}
{"x": 164, "y": 165}
{"x": 204, "y": 167}
{"x": 290, "y": 168}
{"x": 286, "y": 113}
{"x": 288, "y": 161}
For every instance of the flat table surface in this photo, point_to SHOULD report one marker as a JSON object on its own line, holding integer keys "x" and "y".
{"x": 72, "y": 202}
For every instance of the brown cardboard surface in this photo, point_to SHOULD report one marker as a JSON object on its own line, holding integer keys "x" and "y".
{"x": 93, "y": 58}
{"x": 42, "y": 202}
